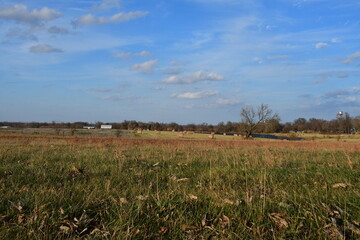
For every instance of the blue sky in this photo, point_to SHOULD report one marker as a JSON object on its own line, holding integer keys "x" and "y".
{"x": 185, "y": 61}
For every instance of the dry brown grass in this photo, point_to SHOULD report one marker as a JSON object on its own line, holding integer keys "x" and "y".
{"x": 97, "y": 187}
{"x": 238, "y": 143}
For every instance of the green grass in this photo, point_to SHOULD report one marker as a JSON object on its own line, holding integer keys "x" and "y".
{"x": 66, "y": 187}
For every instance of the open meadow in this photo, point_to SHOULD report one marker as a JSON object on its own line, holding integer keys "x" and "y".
{"x": 165, "y": 186}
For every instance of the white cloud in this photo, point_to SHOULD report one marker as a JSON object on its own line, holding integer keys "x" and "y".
{"x": 351, "y": 99}
{"x": 99, "y": 90}
{"x": 129, "y": 54}
{"x": 157, "y": 88}
{"x": 223, "y": 101}
{"x": 173, "y": 71}
{"x": 350, "y": 59}
{"x": 191, "y": 106}
{"x": 276, "y": 57}
{"x": 335, "y": 40}
{"x": 20, "y": 13}
{"x": 323, "y": 77}
{"x": 90, "y": 19}
{"x": 142, "y": 54}
{"x": 115, "y": 97}
{"x": 106, "y": 4}
{"x": 18, "y": 33}
{"x": 269, "y": 27}
{"x": 176, "y": 63}
{"x": 145, "y": 67}
{"x": 58, "y": 30}
{"x": 122, "y": 55}
{"x": 244, "y": 3}
{"x": 337, "y": 93}
{"x": 196, "y": 95}
{"x": 44, "y": 48}
{"x": 195, "y": 77}
{"x": 356, "y": 90}
{"x": 343, "y": 93}
{"x": 259, "y": 60}
{"x": 321, "y": 45}
{"x": 342, "y": 75}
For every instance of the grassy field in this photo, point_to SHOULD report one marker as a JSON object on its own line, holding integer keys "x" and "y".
{"x": 160, "y": 186}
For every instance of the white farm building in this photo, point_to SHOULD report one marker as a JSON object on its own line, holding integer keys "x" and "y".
{"x": 106, "y": 126}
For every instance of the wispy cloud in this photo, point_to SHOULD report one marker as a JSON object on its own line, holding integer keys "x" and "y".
{"x": 99, "y": 90}
{"x": 90, "y": 19}
{"x": 342, "y": 75}
{"x": 224, "y": 101}
{"x": 21, "y": 14}
{"x": 193, "y": 78}
{"x": 106, "y": 4}
{"x": 323, "y": 77}
{"x": 44, "y": 48}
{"x": 335, "y": 40}
{"x": 115, "y": 97}
{"x": 198, "y": 40}
{"x": 129, "y": 54}
{"x": 343, "y": 93}
{"x": 337, "y": 93}
{"x": 176, "y": 63}
{"x": 58, "y": 30}
{"x": 276, "y": 57}
{"x": 321, "y": 45}
{"x": 145, "y": 67}
{"x": 157, "y": 88}
{"x": 196, "y": 95}
{"x": 29, "y": 34}
{"x": 352, "y": 58}
{"x": 174, "y": 71}
{"x": 17, "y": 33}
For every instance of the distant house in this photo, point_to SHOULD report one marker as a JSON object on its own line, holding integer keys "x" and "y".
{"x": 106, "y": 126}
{"x": 89, "y": 127}
{"x": 4, "y": 127}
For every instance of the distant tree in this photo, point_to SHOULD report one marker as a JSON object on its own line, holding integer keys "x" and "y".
{"x": 173, "y": 126}
{"x": 272, "y": 126}
{"x": 345, "y": 123}
{"x": 253, "y": 118}
{"x": 230, "y": 127}
{"x": 190, "y": 127}
{"x": 220, "y": 127}
{"x": 300, "y": 124}
{"x": 315, "y": 124}
{"x": 287, "y": 127}
{"x": 98, "y": 124}
{"x": 133, "y": 125}
{"x": 356, "y": 122}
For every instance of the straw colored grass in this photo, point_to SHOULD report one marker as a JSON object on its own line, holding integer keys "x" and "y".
{"x": 82, "y": 187}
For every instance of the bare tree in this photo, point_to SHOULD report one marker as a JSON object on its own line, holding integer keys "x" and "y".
{"x": 253, "y": 118}
{"x": 345, "y": 123}
{"x": 356, "y": 123}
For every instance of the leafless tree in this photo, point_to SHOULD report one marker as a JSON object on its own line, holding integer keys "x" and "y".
{"x": 253, "y": 118}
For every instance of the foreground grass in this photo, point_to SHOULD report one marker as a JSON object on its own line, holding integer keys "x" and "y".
{"x": 105, "y": 188}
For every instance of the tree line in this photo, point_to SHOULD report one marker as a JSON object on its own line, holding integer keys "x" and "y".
{"x": 259, "y": 119}
{"x": 346, "y": 124}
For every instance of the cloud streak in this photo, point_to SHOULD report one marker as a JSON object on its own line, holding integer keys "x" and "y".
{"x": 21, "y": 14}
{"x": 90, "y": 19}
{"x": 106, "y": 4}
{"x": 352, "y": 58}
{"x": 193, "y": 78}
{"x": 321, "y": 45}
{"x": 44, "y": 48}
{"x": 195, "y": 95}
{"x": 145, "y": 67}
{"x": 224, "y": 101}
{"x": 129, "y": 54}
